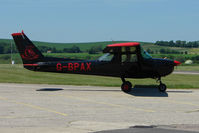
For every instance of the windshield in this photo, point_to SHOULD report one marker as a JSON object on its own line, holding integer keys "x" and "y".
{"x": 106, "y": 57}
{"x": 145, "y": 54}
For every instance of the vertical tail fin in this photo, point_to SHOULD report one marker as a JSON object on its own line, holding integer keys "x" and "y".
{"x": 28, "y": 52}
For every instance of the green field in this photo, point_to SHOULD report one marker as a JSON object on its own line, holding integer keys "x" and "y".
{"x": 17, "y": 74}
{"x": 187, "y": 68}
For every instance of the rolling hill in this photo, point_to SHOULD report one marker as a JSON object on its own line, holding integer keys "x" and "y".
{"x": 84, "y": 47}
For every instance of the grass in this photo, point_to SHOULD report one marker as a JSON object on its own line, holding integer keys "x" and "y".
{"x": 17, "y": 74}
{"x": 194, "y": 51}
{"x": 187, "y": 56}
{"x": 187, "y": 68}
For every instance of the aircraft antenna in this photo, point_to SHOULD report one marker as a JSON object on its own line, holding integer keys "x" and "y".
{"x": 112, "y": 40}
{"x": 11, "y": 60}
{"x": 11, "y": 52}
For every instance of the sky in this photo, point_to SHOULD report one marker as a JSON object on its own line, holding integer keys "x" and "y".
{"x": 100, "y": 20}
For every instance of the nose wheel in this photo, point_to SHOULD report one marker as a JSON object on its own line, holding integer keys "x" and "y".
{"x": 126, "y": 86}
{"x": 162, "y": 87}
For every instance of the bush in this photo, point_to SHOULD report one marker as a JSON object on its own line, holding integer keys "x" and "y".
{"x": 6, "y": 57}
{"x": 95, "y": 49}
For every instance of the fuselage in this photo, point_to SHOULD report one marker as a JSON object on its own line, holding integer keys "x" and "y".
{"x": 148, "y": 68}
{"x": 125, "y": 60}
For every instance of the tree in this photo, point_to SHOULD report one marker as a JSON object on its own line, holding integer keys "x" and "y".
{"x": 92, "y": 50}
{"x": 150, "y": 51}
{"x": 95, "y": 49}
{"x": 1, "y": 49}
{"x": 171, "y": 43}
{"x": 162, "y": 51}
{"x": 178, "y": 43}
{"x": 75, "y": 49}
{"x": 54, "y": 50}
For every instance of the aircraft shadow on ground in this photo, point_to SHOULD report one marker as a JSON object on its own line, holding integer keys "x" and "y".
{"x": 100, "y": 90}
{"x": 152, "y": 91}
{"x": 50, "y": 89}
{"x": 138, "y": 90}
{"x": 147, "y": 91}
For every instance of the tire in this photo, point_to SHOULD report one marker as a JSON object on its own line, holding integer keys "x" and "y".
{"x": 162, "y": 87}
{"x": 126, "y": 86}
{"x": 129, "y": 83}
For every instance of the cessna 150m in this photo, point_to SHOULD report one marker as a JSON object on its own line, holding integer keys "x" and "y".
{"x": 124, "y": 60}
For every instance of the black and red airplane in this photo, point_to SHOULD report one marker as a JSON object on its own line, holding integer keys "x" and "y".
{"x": 124, "y": 60}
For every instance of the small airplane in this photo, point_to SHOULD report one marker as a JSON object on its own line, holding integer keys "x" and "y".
{"x": 124, "y": 60}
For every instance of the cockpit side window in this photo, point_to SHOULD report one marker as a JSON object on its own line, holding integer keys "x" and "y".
{"x": 145, "y": 54}
{"x": 129, "y": 54}
{"x": 129, "y": 58}
{"x": 106, "y": 57}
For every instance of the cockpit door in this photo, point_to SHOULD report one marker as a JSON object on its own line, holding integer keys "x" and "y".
{"x": 129, "y": 61}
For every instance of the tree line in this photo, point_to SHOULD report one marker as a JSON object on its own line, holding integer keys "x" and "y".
{"x": 178, "y": 43}
{"x": 46, "y": 49}
{"x": 194, "y": 58}
{"x": 6, "y": 48}
{"x": 165, "y": 51}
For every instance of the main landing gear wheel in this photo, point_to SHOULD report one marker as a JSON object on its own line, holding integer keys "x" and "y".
{"x": 162, "y": 87}
{"x": 126, "y": 86}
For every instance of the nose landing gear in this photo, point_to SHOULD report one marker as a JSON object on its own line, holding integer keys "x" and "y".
{"x": 126, "y": 86}
{"x": 162, "y": 87}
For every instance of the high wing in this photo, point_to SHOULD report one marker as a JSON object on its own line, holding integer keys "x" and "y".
{"x": 120, "y": 47}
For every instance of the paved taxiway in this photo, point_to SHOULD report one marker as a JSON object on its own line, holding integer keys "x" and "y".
{"x": 61, "y": 108}
{"x": 186, "y": 72}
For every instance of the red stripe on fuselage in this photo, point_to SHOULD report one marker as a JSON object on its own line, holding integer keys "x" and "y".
{"x": 30, "y": 64}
